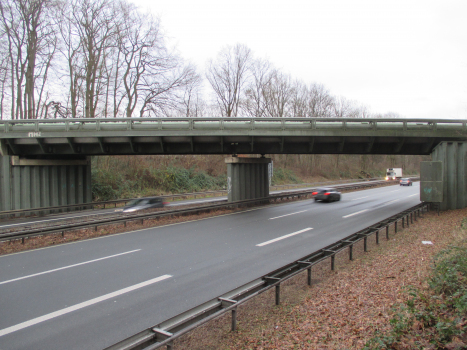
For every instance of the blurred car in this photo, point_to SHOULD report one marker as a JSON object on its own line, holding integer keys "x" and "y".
{"x": 405, "y": 182}
{"x": 144, "y": 203}
{"x": 326, "y": 194}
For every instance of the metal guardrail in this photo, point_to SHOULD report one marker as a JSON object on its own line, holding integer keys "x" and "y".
{"x": 31, "y": 232}
{"x": 164, "y": 333}
{"x": 93, "y": 205}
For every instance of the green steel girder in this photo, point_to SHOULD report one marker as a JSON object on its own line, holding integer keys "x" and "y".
{"x": 54, "y": 138}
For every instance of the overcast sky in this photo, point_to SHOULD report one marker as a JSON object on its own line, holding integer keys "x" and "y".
{"x": 407, "y": 57}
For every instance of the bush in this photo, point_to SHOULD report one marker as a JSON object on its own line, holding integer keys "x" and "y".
{"x": 281, "y": 176}
{"x": 105, "y": 185}
{"x": 439, "y": 311}
{"x": 136, "y": 182}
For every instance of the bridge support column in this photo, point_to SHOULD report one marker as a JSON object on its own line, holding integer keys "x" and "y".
{"x": 247, "y": 178}
{"x": 454, "y": 158}
{"x": 36, "y": 183}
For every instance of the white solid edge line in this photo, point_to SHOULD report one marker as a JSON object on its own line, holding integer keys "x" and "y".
{"x": 69, "y": 266}
{"x": 358, "y": 212}
{"x": 283, "y": 237}
{"x": 277, "y": 217}
{"x": 72, "y": 308}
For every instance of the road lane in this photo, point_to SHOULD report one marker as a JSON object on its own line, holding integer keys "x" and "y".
{"x": 67, "y": 267}
{"x": 53, "y": 218}
{"x": 206, "y": 258}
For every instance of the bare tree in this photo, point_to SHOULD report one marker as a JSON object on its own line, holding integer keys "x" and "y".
{"x": 71, "y": 49}
{"x": 30, "y": 43}
{"x": 299, "y": 100}
{"x": 3, "y": 83}
{"x": 278, "y": 95}
{"x": 227, "y": 76}
{"x": 96, "y": 23}
{"x": 160, "y": 88}
{"x": 192, "y": 103}
{"x": 343, "y": 108}
{"x": 255, "y": 103}
{"x": 320, "y": 101}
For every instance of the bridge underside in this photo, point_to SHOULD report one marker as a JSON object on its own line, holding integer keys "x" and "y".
{"x": 59, "y": 146}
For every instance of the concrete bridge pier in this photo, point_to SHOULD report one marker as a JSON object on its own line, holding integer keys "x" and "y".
{"x": 247, "y": 178}
{"x": 36, "y": 183}
{"x": 453, "y": 155}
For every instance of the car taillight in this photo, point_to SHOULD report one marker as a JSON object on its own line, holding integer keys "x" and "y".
{"x": 166, "y": 203}
{"x": 327, "y": 193}
{"x": 314, "y": 193}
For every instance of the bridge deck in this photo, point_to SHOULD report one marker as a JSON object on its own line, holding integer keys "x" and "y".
{"x": 55, "y": 138}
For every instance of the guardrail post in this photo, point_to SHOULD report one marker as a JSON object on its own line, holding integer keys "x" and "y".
{"x": 333, "y": 258}
{"x": 387, "y": 232}
{"x": 351, "y": 252}
{"x": 365, "y": 248}
{"x": 234, "y": 319}
{"x": 170, "y": 346}
{"x": 226, "y": 303}
{"x": 395, "y": 226}
{"x": 377, "y": 236}
{"x": 308, "y": 279}
{"x": 278, "y": 293}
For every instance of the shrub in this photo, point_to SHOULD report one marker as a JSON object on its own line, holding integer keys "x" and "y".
{"x": 281, "y": 176}
{"x": 440, "y": 310}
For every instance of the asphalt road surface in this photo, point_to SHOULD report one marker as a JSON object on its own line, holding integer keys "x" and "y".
{"x": 92, "y": 294}
{"x": 63, "y": 217}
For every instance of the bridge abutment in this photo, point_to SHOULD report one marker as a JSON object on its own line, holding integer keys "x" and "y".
{"x": 247, "y": 178}
{"x": 454, "y": 158}
{"x": 36, "y": 183}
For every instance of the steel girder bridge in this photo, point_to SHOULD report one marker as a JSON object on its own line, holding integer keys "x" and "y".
{"x": 131, "y": 136}
{"x": 46, "y": 162}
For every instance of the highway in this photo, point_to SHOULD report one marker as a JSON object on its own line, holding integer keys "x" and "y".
{"x": 58, "y": 218}
{"x": 91, "y": 294}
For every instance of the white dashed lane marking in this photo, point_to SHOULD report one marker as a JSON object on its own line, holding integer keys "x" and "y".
{"x": 84, "y": 304}
{"x": 69, "y": 266}
{"x": 283, "y": 237}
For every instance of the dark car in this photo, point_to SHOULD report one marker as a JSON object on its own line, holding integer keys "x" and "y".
{"x": 405, "y": 182}
{"x": 327, "y": 194}
{"x": 144, "y": 203}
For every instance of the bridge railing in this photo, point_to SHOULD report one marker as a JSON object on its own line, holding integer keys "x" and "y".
{"x": 36, "y": 126}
